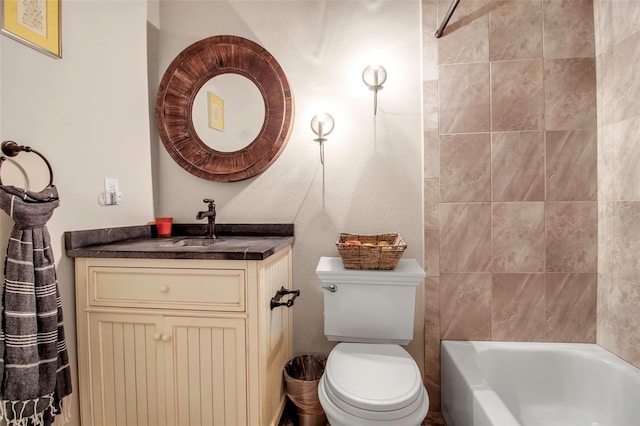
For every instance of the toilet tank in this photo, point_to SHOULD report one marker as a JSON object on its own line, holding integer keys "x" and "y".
{"x": 370, "y": 306}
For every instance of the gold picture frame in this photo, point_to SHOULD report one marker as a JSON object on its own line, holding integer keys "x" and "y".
{"x": 216, "y": 111}
{"x": 35, "y": 23}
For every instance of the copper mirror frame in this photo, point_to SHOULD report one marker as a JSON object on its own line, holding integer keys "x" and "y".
{"x": 184, "y": 77}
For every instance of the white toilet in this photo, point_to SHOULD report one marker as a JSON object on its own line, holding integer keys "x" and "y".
{"x": 369, "y": 378}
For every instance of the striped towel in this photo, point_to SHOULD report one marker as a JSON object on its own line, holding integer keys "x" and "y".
{"x": 34, "y": 364}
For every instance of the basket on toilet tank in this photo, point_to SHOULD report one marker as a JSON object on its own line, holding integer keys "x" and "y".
{"x": 374, "y": 251}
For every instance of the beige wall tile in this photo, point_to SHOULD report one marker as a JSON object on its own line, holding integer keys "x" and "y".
{"x": 618, "y": 41}
{"x": 517, "y": 166}
{"x": 570, "y": 94}
{"x": 465, "y": 306}
{"x": 517, "y": 95}
{"x": 429, "y": 42}
{"x": 607, "y": 167}
{"x": 432, "y": 366}
{"x": 465, "y": 237}
{"x": 465, "y": 167}
{"x": 571, "y": 234}
{"x": 605, "y": 88}
{"x": 466, "y": 38}
{"x": 430, "y": 104}
{"x": 568, "y": 28}
{"x": 432, "y": 304}
{"x": 618, "y": 329}
{"x": 432, "y": 252}
{"x": 603, "y": 308}
{"x": 625, "y": 18}
{"x": 571, "y": 165}
{"x": 518, "y": 307}
{"x": 432, "y": 339}
{"x": 464, "y": 98}
{"x": 515, "y": 30}
{"x": 431, "y": 154}
{"x": 517, "y": 231}
{"x": 626, "y": 169}
{"x": 431, "y": 203}
{"x": 603, "y": 21}
{"x": 626, "y": 242}
{"x": 429, "y": 9}
{"x": 606, "y": 236}
{"x": 626, "y": 79}
{"x": 571, "y": 307}
{"x": 529, "y": 88}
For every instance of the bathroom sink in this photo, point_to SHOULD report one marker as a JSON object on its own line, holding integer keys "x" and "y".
{"x": 194, "y": 242}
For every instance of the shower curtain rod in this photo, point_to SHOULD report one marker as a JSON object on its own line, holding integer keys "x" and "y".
{"x": 445, "y": 21}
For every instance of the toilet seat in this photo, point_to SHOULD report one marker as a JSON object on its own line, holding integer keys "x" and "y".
{"x": 374, "y": 382}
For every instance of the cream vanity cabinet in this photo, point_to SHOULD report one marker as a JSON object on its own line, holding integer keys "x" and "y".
{"x": 182, "y": 341}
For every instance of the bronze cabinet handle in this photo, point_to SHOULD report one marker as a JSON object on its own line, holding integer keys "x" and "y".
{"x": 275, "y": 300}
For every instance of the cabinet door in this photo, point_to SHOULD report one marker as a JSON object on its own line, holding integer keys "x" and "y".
{"x": 126, "y": 356}
{"x": 208, "y": 361}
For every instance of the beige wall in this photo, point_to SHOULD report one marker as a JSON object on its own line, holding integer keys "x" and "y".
{"x": 510, "y": 174}
{"x": 87, "y": 113}
{"x": 371, "y": 182}
{"x": 618, "y": 61}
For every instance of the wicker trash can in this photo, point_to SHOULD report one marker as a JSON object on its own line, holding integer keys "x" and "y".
{"x": 301, "y": 376}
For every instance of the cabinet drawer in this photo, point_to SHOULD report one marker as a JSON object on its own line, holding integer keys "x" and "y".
{"x": 174, "y": 288}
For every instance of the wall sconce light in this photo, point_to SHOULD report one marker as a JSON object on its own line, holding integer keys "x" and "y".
{"x": 322, "y": 124}
{"x": 374, "y": 77}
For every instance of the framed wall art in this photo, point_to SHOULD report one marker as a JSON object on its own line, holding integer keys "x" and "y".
{"x": 216, "y": 112}
{"x": 35, "y": 23}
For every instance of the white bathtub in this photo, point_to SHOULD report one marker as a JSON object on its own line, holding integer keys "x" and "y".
{"x": 537, "y": 384}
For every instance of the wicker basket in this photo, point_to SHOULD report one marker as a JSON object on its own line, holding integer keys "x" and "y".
{"x": 369, "y": 254}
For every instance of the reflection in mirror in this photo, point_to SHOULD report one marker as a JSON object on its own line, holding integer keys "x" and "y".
{"x": 228, "y": 112}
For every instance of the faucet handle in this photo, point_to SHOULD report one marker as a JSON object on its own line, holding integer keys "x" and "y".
{"x": 211, "y": 202}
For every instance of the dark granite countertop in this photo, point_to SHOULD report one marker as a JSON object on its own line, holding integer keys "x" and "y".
{"x": 233, "y": 242}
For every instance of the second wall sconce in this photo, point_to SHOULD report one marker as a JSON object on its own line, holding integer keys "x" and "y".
{"x": 322, "y": 124}
{"x": 374, "y": 77}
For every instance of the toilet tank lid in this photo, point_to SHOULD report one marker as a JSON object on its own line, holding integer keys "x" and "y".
{"x": 408, "y": 272}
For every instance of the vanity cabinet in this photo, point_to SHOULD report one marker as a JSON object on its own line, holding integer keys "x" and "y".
{"x": 182, "y": 341}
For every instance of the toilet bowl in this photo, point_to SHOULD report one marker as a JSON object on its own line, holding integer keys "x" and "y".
{"x": 372, "y": 384}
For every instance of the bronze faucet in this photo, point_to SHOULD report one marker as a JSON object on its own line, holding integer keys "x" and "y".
{"x": 210, "y": 215}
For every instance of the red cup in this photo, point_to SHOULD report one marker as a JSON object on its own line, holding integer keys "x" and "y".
{"x": 164, "y": 226}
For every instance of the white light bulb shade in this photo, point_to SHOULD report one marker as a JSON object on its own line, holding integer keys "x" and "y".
{"x": 374, "y": 76}
{"x": 322, "y": 124}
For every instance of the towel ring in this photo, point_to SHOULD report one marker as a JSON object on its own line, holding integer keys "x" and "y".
{"x": 11, "y": 149}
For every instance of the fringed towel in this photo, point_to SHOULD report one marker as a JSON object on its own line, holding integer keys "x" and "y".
{"x": 34, "y": 364}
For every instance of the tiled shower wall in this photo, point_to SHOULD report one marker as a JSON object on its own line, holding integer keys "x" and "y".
{"x": 510, "y": 174}
{"x": 618, "y": 85}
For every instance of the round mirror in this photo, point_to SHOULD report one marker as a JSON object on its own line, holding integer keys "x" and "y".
{"x": 228, "y": 112}
{"x": 184, "y": 92}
